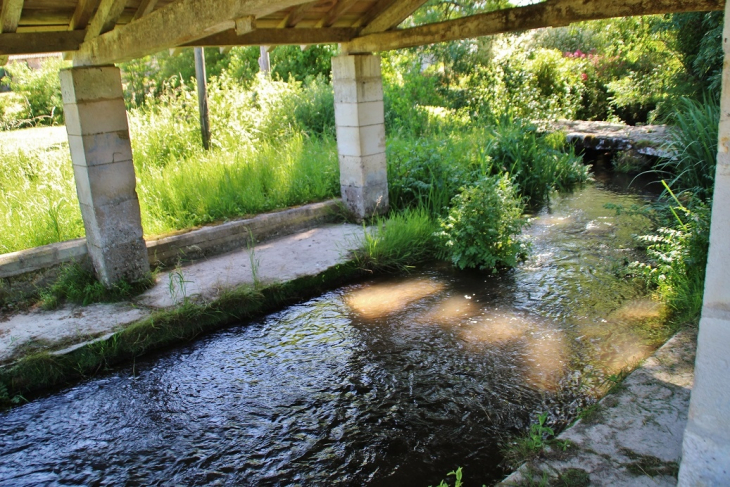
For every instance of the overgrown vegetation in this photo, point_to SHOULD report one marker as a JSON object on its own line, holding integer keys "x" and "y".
{"x": 678, "y": 250}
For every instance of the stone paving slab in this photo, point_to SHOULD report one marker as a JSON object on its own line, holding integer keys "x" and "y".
{"x": 635, "y": 436}
{"x": 301, "y": 254}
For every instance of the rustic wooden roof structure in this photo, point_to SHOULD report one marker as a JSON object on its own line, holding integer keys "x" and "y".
{"x": 107, "y": 31}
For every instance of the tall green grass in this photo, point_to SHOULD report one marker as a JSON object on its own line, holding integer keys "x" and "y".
{"x": 272, "y": 148}
{"x": 693, "y": 148}
{"x": 38, "y": 203}
{"x": 398, "y": 242}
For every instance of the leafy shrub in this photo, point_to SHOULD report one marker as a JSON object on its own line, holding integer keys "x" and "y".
{"x": 482, "y": 226}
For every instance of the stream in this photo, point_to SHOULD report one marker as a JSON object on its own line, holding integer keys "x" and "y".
{"x": 391, "y": 381}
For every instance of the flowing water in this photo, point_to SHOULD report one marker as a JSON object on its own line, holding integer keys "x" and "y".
{"x": 394, "y": 381}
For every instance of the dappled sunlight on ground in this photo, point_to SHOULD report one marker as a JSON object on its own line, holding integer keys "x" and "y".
{"x": 382, "y": 299}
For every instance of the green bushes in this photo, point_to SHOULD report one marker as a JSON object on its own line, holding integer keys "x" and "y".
{"x": 538, "y": 164}
{"x": 36, "y": 96}
{"x": 678, "y": 250}
{"x": 483, "y": 224}
{"x": 678, "y": 256}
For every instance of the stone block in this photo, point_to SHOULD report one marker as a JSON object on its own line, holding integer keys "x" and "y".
{"x": 359, "y": 114}
{"x": 105, "y": 184}
{"x": 120, "y": 260}
{"x": 363, "y": 171}
{"x": 705, "y": 459}
{"x": 365, "y": 201}
{"x": 717, "y": 292}
{"x": 352, "y": 67}
{"x": 361, "y": 141}
{"x": 96, "y": 117}
{"x": 90, "y": 84}
{"x": 90, "y": 150}
{"x": 711, "y": 393}
{"x": 363, "y": 90}
{"x": 112, "y": 224}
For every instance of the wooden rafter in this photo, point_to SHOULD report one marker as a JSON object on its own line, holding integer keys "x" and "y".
{"x": 39, "y": 42}
{"x": 145, "y": 8}
{"x": 173, "y": 25}
{"x": 374, "y": 11}
{"x": 10, "y": 15}
{"x": 105, "y": 18}
{"x": 82, "y": 15}
{"x": 278, "y": 37}
{"x": 392, "y": 16}
{"x": 9, "y": 19}
{"x": 297, "y": 15}
{"x": 338, "y": 10}
{"x": 552, "y": 13}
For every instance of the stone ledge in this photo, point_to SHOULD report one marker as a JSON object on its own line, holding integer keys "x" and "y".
{"x": 195, "y": 244}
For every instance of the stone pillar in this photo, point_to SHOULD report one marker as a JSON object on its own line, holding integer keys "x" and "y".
{"x": 360, "y": 122}
{"x": 706, "y": 447}
{"x": 98, "y": 136}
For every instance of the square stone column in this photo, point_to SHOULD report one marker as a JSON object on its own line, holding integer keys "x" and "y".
{"x": 98, "y": 136}
{"x": 706, "y": 445}
{"x": 360, "y": 121}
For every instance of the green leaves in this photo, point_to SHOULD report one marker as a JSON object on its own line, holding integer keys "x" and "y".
{"x": 483, "y": 224}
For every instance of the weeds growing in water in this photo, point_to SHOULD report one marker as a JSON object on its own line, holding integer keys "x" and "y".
{"x": 457, "y": 479}
{"x": 483, "y": 224}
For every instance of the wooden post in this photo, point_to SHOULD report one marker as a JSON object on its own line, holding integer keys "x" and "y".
{"x": 202, "y": 96}
{"x": 264, "y": 63}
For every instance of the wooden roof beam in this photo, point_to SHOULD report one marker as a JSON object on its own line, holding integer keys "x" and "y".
{"x": 145, "y": 8}
{"x": 105, "y": 18}
{"x": 173, "y": 25}
{"x": 374, "y": 12}
{"x": 82, "y": 15}
{"x": 338, "y": 10}
{"x": 40, "y": 42}
{"x": 392, "y": 16}
{"x": 552, "y": 13}
{"x": 9, "y": 19}
{"x": 297, "y": 15}
{"x": 278, "y": 37}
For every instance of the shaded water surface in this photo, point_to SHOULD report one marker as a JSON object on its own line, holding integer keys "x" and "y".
{"x": 387, "y": 382}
